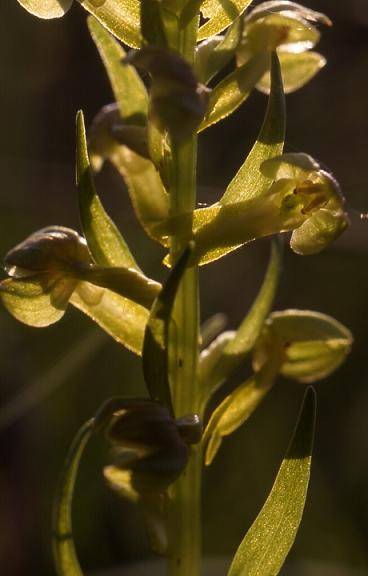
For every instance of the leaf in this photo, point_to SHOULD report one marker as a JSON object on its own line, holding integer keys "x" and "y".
{"x": 233, "y": 90}
{"x": 46, "y": 8}
{"x": 238, "y": 406}
{"x": 217, "y": 363}
{"x": 150, "y": 200}
{"x": 214, "y": 53}
{"x": 120, "y": 17}
{"x": 123, "y": 319}
{"x": 297, "y": 70}
{"x": 156, "y": 339}
{"x": 220, "y": 14}
{"x": 271, "y": 536}
{"x": 129, "y": 90}
{"x": 30, "y": 304}
{"x": 250, "y": 182}
{"x": 65, "y": 555}
{"x": 106, "y": 244}
{"x": 212, "y": 225}
{"x": 315, "y": 344}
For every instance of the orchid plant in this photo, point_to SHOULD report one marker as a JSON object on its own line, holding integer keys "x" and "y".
{"x": 192, "y": 63}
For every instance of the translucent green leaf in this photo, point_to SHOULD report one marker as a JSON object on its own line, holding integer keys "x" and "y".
{"x": 250, "y": 182}
{"x": 215, "y": 52}
{"x": 105, "y": 242}
{"x": 150, "y": 200}
{"x": 297, "y": 70}
{"x": 220, "y": 14}
{"x": 225, "y": 355}
{"x": 236, "y": 408}
{"x": 147, "y": 192}
{"x": 65, "y": 556}
{"x": 46, "y": 8}
{"x": 215, "y": 224}
{"x": 129, "y": 90}
{"x": 271, "y": 536}
{"x": 121, "y": 18}
{"x": 156, "y": 339}
{"x": 123, "y": 319}
{"x": 29, "y": 303}
{"x": 233, "y": 90}
{"x": 315, "y": 344}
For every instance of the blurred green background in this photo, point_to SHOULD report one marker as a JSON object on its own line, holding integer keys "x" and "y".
{"x": 48, "y": 71}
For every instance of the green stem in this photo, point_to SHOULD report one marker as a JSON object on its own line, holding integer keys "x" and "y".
{"x": 185, "y": 495}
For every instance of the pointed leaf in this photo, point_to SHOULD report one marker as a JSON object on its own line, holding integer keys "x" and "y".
{"x": 215, "y": 370}
{"x": 106, "y": 244}
{"x": 65, "y": 556}
{"x": 297, "y": 70}
{"x": 156, "y": 339}
{"x": 121, "y": 18}
{"x": 214, "y": 224}
{"x": 220, "y": 14}
{"x": 249, "y": 182}
{"x": 231, "y": 92}
{"x": 270, "y": 538}
{"x": 46, "y": 8}
{"x": 129, "y": 90}
{"x": 238, "y": 406}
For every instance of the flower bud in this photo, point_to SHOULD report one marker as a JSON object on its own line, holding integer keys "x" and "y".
{"x": 148, "y": 441}
{"x": 315, "y": 344}
{"x": 52, "y": 250}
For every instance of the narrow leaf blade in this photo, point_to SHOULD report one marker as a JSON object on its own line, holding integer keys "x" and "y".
{"x": 65, "y": 556}
{"x": 105, "y": 242}
{"x": 129, "y": 90}
{"x": 271, "y": 536}
{"x": 156, "y": 338}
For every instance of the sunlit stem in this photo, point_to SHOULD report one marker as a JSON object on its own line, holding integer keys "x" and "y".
{"x": 185, "y": 508}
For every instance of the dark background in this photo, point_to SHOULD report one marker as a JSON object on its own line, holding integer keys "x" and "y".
{"x": 60, "y": 375}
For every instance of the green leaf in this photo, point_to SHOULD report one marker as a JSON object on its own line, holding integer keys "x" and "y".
{"x": 271, "y": 536}
{"x": 238, "y": 406}
{"x": 216, "y": 224}
{"x": 250, "y": 182}
{"x": 120, "y": 17}
{"x": 220, "y": 14}
{"x": 233, "y": 90}
{"x": 121, "y": 318}
{"x": 315, "y": 344}
{"x": 150, "y": 200}
{"x": 297, "y": 70}
{"x": 213, "y": 54}
{"x": 65, "y": 555}
{"x": 106, "y": 244}
{"x": 46, "y": 8}
{"x": 29, "y": 303}
{"x": 156, "y": 339}
{"x": 225, "y": 355}
{"x": 129, "y": 91}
